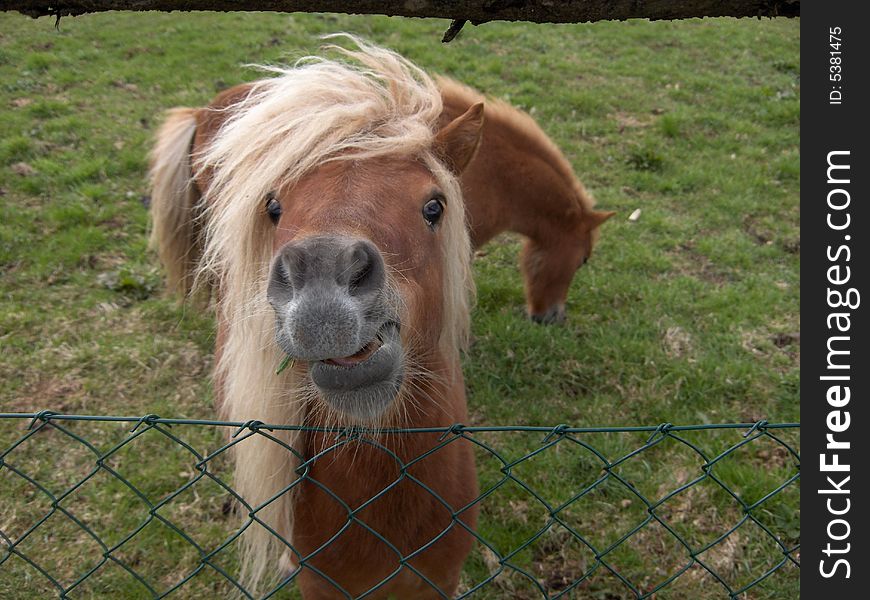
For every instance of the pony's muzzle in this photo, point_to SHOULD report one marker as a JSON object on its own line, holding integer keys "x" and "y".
{"x": 328, "y": 296}
{"x": 333, "y": 309}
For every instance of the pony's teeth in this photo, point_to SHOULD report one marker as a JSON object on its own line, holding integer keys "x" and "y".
{"x": 354, "y": 359}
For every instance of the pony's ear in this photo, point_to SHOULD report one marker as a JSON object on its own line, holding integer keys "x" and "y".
{"x": 594, "y": 218}
{"x": 458, "y": 141}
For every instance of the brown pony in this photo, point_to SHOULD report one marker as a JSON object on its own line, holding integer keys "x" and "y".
{"x": 520, "y": 181}
{"x": 323, "y": 206}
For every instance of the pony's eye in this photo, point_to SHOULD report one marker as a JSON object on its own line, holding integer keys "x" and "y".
{"x": 273, "y": 207}
{"x": 432, "y": 211}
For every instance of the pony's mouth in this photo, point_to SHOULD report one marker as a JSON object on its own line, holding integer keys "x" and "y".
{"x": 366, "y": 352}
{"x": 364, "y": 383}
{"x": 353, "y": 360}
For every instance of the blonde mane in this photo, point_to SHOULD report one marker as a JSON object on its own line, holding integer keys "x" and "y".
{"x": 369, "y": 103}
{"x": 500, "y": 113}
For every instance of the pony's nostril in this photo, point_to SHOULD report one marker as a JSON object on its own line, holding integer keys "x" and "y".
{"x": 292, "y": 267}
{"x": 365, "y": 269}
{"x": 359, "y": 278}
{"x": 297, "y": 269}
{"x": 287, "y": 276}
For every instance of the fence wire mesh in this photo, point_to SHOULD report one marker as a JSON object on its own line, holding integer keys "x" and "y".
{"x": 136, "y": 507}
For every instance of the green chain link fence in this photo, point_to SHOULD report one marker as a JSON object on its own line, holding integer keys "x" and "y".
{"x": 90, "y": 507}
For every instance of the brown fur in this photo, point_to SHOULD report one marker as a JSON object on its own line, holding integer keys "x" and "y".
{"x": 407, "y": 516}
{"x": 520, "y": 181}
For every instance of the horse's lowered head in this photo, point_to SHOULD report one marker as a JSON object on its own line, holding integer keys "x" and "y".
{"x": 549, "y": 265}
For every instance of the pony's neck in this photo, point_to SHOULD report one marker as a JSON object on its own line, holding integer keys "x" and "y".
{"x": 426, "y": 404}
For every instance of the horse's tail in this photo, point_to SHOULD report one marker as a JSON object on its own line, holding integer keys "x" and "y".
{"x": 176, "y": 230}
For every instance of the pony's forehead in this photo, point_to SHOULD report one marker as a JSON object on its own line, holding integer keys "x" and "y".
{"x": 350, "y": 175}
{"x": 374, "y": 195}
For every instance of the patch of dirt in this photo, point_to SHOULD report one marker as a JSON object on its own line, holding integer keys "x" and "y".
{"x": 723, "y": 556}
{"x": 688, "y": 261}
{"x": 679, "y": 477}
{"x": 792, "y": 246}
{"x": 520, "y": 510}
{"x": 131, "y": 52}
{"x": 476, "y": 416}
{"x": 677, "y": 342}
{"x": 781, "y": 340}
{"x": 628, "y": 121}
{"x": 59, "y": 393}
{"x": 763, "y": 237}
{"x": 764, "y": 343}
{"x": 123, "y": 85}
{"x": 506, "y": 582}
{"x": 107, "y": 261}
{"x": 22, "y": 169}
{"x": 696, "y": 507}
{"x": 557, "y": 562}
{"x": 753, "y": 230}
{"x": 775, "y": 456}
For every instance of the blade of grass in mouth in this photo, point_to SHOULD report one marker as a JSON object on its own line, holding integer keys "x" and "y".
{"x": 288, "y": 361}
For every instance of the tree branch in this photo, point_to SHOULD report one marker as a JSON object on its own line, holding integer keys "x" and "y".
{"x": 476, "y": 11}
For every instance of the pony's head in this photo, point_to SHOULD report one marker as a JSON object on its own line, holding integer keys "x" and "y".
{"x": 549, "y": 265}
{"x": 333, "y": 214}
{"x": 363, "y": 249}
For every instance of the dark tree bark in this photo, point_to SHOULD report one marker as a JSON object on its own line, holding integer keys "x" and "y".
{"x": 476, "y": 11}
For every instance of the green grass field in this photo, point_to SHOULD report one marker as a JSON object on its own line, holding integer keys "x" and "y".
{"x": 689, "y": 315}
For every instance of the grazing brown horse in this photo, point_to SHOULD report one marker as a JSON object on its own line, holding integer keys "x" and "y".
{"x": 323, "y": 206}
{"x": 520, "y": 181}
